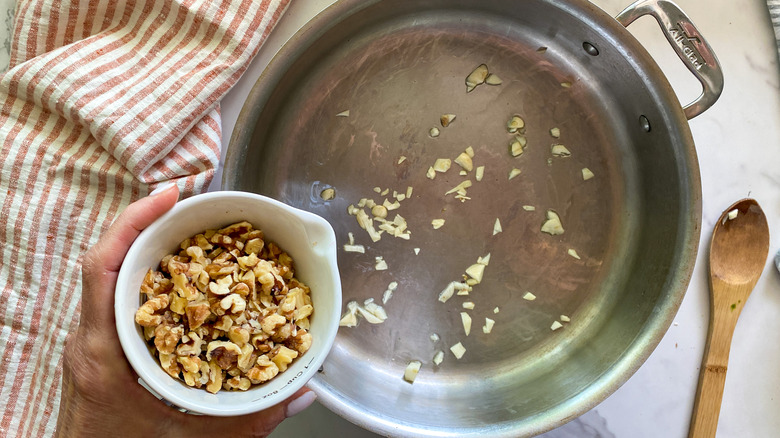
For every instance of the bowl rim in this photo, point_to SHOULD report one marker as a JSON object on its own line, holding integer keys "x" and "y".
{"x": 127, "y": 331}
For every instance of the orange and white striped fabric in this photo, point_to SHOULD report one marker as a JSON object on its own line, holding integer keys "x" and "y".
{"x": 103, "y": 100}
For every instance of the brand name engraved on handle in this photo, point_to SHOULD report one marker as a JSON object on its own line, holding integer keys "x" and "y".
{"x": 686, "y": 44}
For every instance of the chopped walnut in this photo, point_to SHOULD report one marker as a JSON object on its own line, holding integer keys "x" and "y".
{"x": 225, "y": 354}
{"x": 233, "y": 303}
{"x": 282, "y": 356}
{"x": 283, "y": 333}
{"x": 166, "y": 337}
{"x": 169, "y": 364}
{"x": 189, "y": 364}
{"x": 225, "y": 310}
{"x": 254, "y": 246}
{"x": 272, "y": 322}
{"x": 146, "y": 316}
{"x": 147, "y": 286}
{"x": 197, "y": 313}
{"x": 215, "y": 375}
{"x": 247, "y": 358}
{"x": 191, "y": 348}
{"x": 221, "y": 286}
{"x": 264, "y": 370}
{"x": 225, "y": 323}
{"x": 301, "y": 342}
{"x": 238, "y": 335}
{"x": 237, "y": 382}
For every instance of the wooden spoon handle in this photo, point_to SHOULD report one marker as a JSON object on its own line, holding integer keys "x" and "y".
{"x": 706, "y": 408}
{"x": 726, "y": 306}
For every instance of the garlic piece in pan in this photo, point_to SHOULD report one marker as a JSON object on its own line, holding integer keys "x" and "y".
{"x": 464, "y": 161}
{"x": 497, "y": 227}
{"x": 466, "y": 320}
{"x": 559, "y": 150}
{"x": 389, "y": 291}
{"x": 476, "y": 271}
{"x": 476, "y": 77}
{"x": 488, "y": 327}
{"x": 434, "y": 132}
{"x": 517, "y": 146}
{"x": 373, "y": 313}
{"x": 493, "y": 79}
{"x": 328, "y": 194}
{"x": 587, "y": 174}
{"x": 379, "y": 211}
{"x": 351, "y": 247}
{"x": 446, "y": 119}
{"x": 515, "y": 124}
{"x": 438, "y": 358}
{"x": 460, "y": 188}
{"x": 442, "y": 164}
{"x": 410, "y": 373}
{"x": 437, "y": 223}
{"x": 451, "y": 289}
{"x": 350, "y": 318}
{"x": 458, "y": 350}
{"x": 552, "y": 225}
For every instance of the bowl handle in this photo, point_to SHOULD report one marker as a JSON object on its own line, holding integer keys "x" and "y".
{"x": 687, "y": 42}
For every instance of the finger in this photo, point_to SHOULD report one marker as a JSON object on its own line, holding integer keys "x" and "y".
{"x": 299, "y": 402}
{"x": 102, "y": 262}
{"x": 259, "y": 424}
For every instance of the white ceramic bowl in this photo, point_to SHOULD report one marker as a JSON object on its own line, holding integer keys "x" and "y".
{"x": 308, "y": 238}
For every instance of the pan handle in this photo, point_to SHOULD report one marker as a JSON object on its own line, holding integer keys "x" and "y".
{"x": 689, "y": 45}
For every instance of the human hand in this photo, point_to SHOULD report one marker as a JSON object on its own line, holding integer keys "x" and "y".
{"x": 101, "y": 395}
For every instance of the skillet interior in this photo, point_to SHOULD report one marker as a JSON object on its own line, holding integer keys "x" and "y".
{"x": 397, "y": 66}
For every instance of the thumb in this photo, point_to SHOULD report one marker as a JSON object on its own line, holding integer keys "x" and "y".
{"x": 102, "y": 262}
{"x": 110, "y": 251}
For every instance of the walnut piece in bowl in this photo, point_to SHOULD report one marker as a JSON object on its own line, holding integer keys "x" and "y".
{"x": 215, "y": 302}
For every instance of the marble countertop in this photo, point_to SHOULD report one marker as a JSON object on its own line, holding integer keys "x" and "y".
{"x": 738, "y": 142}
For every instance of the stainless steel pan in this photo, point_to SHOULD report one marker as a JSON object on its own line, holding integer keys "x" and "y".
{"x": 397, "y": 66}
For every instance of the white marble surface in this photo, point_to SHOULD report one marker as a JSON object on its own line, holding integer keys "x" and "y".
{"x": 738, "y": 141}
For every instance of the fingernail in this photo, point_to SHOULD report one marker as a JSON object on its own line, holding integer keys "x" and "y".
{"x": 162, "y": 188}
{"x": 300, "y": 404}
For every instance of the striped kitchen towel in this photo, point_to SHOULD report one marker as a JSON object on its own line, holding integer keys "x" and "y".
{"x": 103, "y": 100}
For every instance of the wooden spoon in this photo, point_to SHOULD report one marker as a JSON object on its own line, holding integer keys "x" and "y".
{"x": 738, "y": 253}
